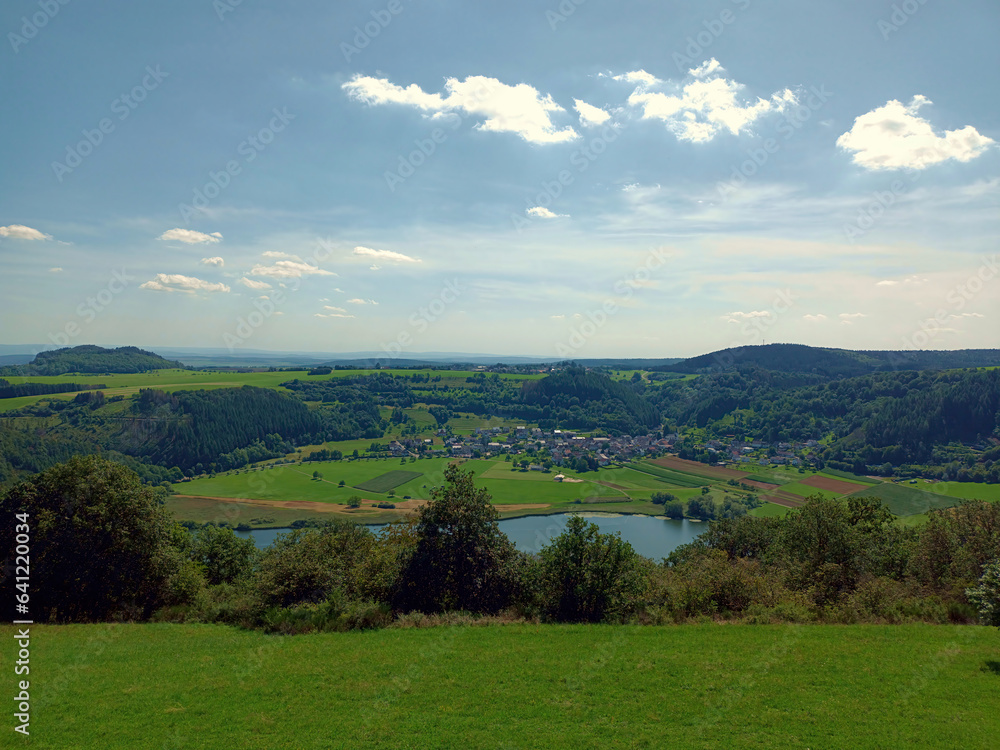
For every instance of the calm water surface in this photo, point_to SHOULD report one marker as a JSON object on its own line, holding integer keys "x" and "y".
{"x": 649, "y": 536}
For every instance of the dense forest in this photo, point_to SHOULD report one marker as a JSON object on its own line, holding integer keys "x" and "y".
{"x": 835, "y": 363}
{"x": 91, "y": 359}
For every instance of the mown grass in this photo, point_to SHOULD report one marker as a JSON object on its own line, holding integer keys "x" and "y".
{"x": 702, "y": 686}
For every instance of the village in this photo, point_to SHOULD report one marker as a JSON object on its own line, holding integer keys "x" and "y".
{"x": 539, "y": 450}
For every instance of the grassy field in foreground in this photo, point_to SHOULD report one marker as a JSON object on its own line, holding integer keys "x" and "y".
{"x": 701, "y": 686}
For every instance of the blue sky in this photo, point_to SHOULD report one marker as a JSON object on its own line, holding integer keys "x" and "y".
{"x": 575, "y": 179}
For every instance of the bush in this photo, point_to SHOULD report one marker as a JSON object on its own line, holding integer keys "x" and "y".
{"x": 101, "y": 544}
{"x": 587, "y": 576}
{"x": 674, "y": 509}
{"x": 461, "y": 559}
{"x": 986, "y": 596}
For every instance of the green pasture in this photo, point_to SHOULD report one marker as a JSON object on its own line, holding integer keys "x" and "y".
{"x": 552, "y": 686}
{"x": 903, "y": 500}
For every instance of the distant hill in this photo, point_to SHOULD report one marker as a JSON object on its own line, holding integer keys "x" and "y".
{"x": 839, "y": 363}
{"x": 92, "y": 359}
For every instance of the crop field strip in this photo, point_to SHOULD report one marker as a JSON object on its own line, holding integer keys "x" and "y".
{"x": 838, "y": 486}
{"x": 388, "y": 481}
{"x": 693, "y": 467}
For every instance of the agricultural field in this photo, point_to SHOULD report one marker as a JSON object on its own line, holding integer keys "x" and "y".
{"x": 294, "y": 484}
{"x": 764, "y": 686}
{"x": 388, "y": 481}
{"x": 903, "y": 500}
{"x": 963, "y": 490}
{"x": 176, "y": 380}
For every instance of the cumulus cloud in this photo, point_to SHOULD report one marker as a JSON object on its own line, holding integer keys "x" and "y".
{"x": 215, "y": 262}
{"x": 190, "y": 237}
{"x": 57, "y": 269}
{"x": 590, "y": 116}
{"x": 519, "y": 109}
{"x": 966, "y": 315}
{"x": 21, "y": 232}
{"x": 894, "y": 136}
{"x": 540, "y": 212}
{"x": 359, "y": 301}
{"x": 175, "y": 282}
{"x": 279, "y": 254}
{"x": 331, "y": 308}
{"x": 289, "y": 269}
{"x": 700, "y": 109}
{"x": 386, "y": 255}
{"x": 818, "y": 318}
{"x": 252, "y": 284}
{"x": 852, "y": 316}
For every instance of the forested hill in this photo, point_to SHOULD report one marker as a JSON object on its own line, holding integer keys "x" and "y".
{"x": 836, "y": 363}
{"x": 574, "y": 394}
{"x": 92, "y": 359}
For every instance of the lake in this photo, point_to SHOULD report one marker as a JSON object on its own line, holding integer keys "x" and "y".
{"x": 654, "y": 537}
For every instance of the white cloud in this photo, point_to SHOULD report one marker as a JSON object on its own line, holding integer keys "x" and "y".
{"x": 590, "y": 116}
{"x": 815, "y": 318}
{"x": 289, "y": 269}
{"x": 640, "y": 77}
{"x": 519, "y": 109}
{"x": 359, "y": 301}
{"x": 966, "y": 315}
{"x": 386, "y": 255}
{"x": 697, "y": 111}
{"x": 215, "y": 262}
{"x": 540, "y": 212}
{"x": 374, "y": 267}
{"x": 740, "y": 317}
{"x": 849, "y": 316}
{"x": 279, "y": 254}
{"x": 175, "y": 282}
{"x": 893, "y": 136}
{"x": 907, "y": 280}
{"x": 257, "y": 285}
{"x": 707, "y": 68}
{"x": 21, "y": 232}
{"x": 330, "y": 308}
{"x": 333, "y": 314}
{"x": 558, "y": 317}
{"x": 190, "y": 236}
{"x": 55, "y": 270}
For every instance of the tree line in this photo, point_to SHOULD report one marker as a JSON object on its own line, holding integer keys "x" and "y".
{"x": 104, "y": 549}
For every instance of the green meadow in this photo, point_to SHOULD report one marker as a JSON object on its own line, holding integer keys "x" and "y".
{"x": 513, "y": 686}
{"x": 176, "y": 380}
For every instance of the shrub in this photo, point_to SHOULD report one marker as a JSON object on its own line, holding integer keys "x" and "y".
{"x": 588, "y": 576}
{"x": 461, "y": 560}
